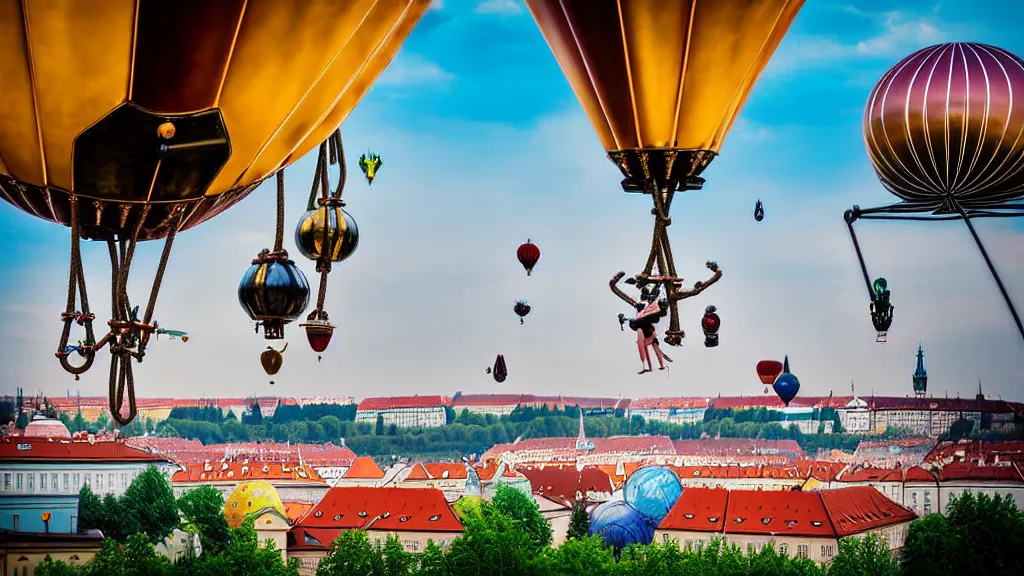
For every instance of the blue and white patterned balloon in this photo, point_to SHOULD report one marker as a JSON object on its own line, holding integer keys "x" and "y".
{"x": 620, "y": 525}
{"x": 653, "y": 491}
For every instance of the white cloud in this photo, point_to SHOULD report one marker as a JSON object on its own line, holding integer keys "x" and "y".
{"x": 503, "y": 7}
{"x": 412, "y": 70}
{"x": 425, "y": 303}
{"x": 899, "y": 34}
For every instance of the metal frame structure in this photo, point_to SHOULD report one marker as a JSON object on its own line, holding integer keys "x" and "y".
{"x": 946, "y": 209}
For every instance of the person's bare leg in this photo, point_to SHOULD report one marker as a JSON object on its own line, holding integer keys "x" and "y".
{"x": 661, "y": 355}
{"x": 645, "y": 359}
{"x": 657, "y": 353}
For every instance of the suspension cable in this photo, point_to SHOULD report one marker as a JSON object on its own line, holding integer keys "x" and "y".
{"x": 991, "y": 268}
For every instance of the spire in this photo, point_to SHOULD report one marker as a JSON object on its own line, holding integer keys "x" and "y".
{"x": 980, "y": 396}
{"x": 581, "y": 440}
{"x": 920, "y": 377}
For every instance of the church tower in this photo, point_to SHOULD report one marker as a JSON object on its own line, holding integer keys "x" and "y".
{"x": 920, "y": 374}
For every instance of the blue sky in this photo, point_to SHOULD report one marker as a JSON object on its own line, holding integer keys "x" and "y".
{"x": 485, "y": 145}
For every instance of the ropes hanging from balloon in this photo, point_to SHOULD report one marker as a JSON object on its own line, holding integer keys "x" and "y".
{"x": 326, "y": 234}
{"x": 274, "y": 291}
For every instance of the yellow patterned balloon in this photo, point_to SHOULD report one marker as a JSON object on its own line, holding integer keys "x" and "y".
{"x": 252, "y": 497}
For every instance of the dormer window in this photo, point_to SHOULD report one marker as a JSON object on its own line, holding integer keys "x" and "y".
{"x": 445, "y": 474}
{"x": 318, "y": 514}
{"x": 311, "y": 541}
{"x": 688, "y": 516}
{"x": 265, "y": 469}
{"x": 713, "y": 519}
{"x": 337, "y": 517}
{"x": 434, "y": 518}
{"x": 386, "y": 515}
{"x": 790, "y": 523}
{"x": 766, "y": 521}
{"x": 362, "y": 513}
{"x": 302, "y": 473}
{"x": 404, "y": 518}
{"x": 815, "y": 523}
{"x": 738, "y": 520}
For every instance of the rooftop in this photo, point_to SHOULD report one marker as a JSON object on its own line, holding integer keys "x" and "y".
{"x": 27, "y": 449}
{"x": 247, "y": 470}
{"x": 388, "y": 509}
{"x": 364, "y": 468}
{"x": 399, "y": 402}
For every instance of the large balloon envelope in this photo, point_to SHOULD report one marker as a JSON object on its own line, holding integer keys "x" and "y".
{"x": 944, "y": 130}
{"x": 786, "y": 385}
{"x": 652, "y": 491}
{"x": 528, "y": 255}
{"x": 768, "y": 371}
{"x": 619, "y": 525}
{"x": 662, "y": 81}
{"x": 131, "y": 120}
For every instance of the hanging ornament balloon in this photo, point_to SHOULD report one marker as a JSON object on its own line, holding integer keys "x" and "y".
{"x": 274, "y": 291}
{"x": 326, "y": 234}
{"x": 768, "y": 371}
{"x": 528, "y": 255}
{"x": 758, "y": 211}
{"x": 370, "y": 164}
{"x": 272, "y": 360}
{"x": 710, "y": 323}
{"x": 786, "y": 385}
{"x": 522, "y": 308}
{"x": 500, "y": 370}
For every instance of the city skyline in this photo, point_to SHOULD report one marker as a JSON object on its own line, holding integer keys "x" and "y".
{"x": 484, "y": 146}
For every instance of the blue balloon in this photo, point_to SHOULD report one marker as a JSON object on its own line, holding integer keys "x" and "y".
{"x": 786, "y": 385}
{"x": 652, "y": 491}
{"x": 620, "y": 525}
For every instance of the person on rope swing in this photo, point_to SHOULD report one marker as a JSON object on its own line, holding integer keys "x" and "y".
{"x": 644, "y": 322}
{"x": 655, "y": 309}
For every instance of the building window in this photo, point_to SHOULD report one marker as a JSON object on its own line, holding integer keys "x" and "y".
{"x": 15, "y": 519}
{"x": 76, "y": 481}
{"x": 53, "y": 482}
{"x": 99, "y": 482}
{"x": 67, "y": 482}
{"x": 700, "y": 544}
{"x": 124, "y": 479}
{"x": 19, "y": 482}
{"x": 927, "y": 502}
{"x": 664, "y": 538}
{"x": 751, "y": 549}
{"x": 110, "y": 482}
{"x": 689, "y": 544}
{"x": 42, "y": 482}
{"x": 913, "y": 500}
{"x": 7, "y": 481}
{"x": 826, "y": 551}
{"x": 784, "y": 549}
{"x": 801, "y": 550}
{"x": 88, "y": 480}
{"x": 32, "y": 483}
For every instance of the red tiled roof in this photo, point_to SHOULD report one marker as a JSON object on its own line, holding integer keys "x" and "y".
{"x": 561, "y": 483}
{"x": 918, "y": 474}
{"x": 398, "y": 402}
{"x": 27, "y": 449}
{"x": 445, "y": 470}
{"x": 861, "y": 508}
{"x": 1011, "y": 473}
{"x": 364, "y": 468}
{"x": 390, "y": 509}
{"x": 975, "y": 450}
{"x": 824, "y": 514}
{"x": 698, "y": 509}
{"x": 940, "y": 404}
{"x": 486, "y": 400}
{"x": 186, "y": 452}
{"x": 668, "y": 403}
{"x": 418, "y": 472}
{"x": 737, "y": 446}
{"x": 868, "y": 474}
{"x": 246, "y": 470}
{"x": 295, "y": 510}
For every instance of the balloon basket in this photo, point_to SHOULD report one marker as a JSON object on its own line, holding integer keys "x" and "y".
{"x": 319, "y": 335}
{"x": 881, "y": 337}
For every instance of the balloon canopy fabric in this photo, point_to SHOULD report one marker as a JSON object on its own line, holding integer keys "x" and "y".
{"x": 768, "y": 371}
{"x": 528, "y": 255}
{"x": 663, "y": 74}
{"x": 148, "y": 108}
{"x": 620, "y": 525}
{"x": 652, "y": 491}
{"x": 786, "y": 385}
{"x": 946, "y": 125}
{"x": 251, "y": 497}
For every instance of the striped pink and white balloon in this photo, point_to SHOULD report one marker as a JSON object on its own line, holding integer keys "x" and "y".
{"x": 945, "y": 127}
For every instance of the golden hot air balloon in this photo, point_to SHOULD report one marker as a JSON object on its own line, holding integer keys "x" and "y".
{"x": 131, "y": 120}
{"x": 662, "y": 81}
{"x": 252, "y": 497}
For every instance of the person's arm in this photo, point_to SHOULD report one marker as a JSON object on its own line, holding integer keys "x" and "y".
{"x": 614, "y": 285}
{"x": 699, "y": 286}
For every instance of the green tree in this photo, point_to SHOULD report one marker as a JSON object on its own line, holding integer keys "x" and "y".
{"x": 397, "y": 562}
{"x": 135, "y": 558}
{"x": 867, "y": 556}
{"x": 351, "y": 554}
{"x": 378, "y": 430}
{"x": 929, "y": 548}
{"x": 580, "y": 557}
{"x": 579, "y": 523}
{"x": 22, "y": 420}
{"x": 90, "y": 511}
{"x": 203, "y": 507}
{"x": 493, "y": 544}
{"x": 332, "y": 427}
{"x": 244, "y": 556}
{"x": 433, "y": 561}
{"x": 51, "y": 567}
{"x": 149, "y": 501}
{"x": 988, "y": 534}
{"x": 515, "y": 504}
